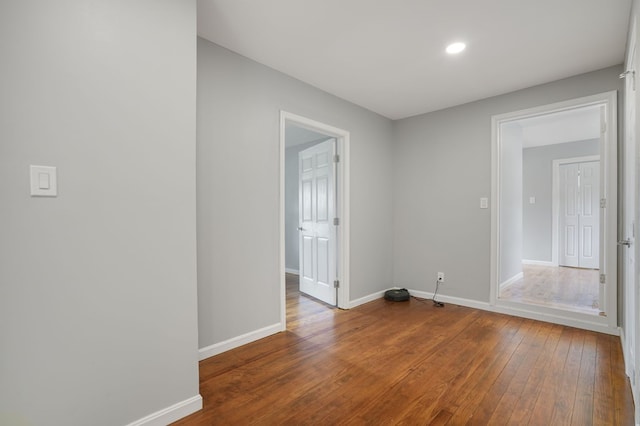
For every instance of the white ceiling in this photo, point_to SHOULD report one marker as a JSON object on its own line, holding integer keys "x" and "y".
{"x": 573, "y": 125}
{"x": 388, "y": 55}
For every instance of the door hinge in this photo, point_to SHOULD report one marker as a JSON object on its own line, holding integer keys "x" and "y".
{"x": 336, "y": 221}
{"x": 336, "y": 158}
{"x": 603, "y": 203}
{"x": 603, "y": 278}
{"x": 336, "y": 284}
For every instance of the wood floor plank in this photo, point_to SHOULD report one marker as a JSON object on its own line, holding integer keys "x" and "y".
{"x": 567, "y": 382}
{"x": 485, "y": 409}
{"x": 389, "y": 358}
{"x": 583, "y": 405}
{"x": 523, "y": 409}
{"x": 417, "y": 390}
{"x": 488, "y": 376}
{"x": 603, "y": 405}
{"x": 550, "y": 388}
{"x": 622, "y": 396}
{"x": 533, "y": 349}
{"x": 413, "y": 363}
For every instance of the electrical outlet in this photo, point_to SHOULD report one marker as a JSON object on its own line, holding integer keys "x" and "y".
{"x": 440, "y": 277}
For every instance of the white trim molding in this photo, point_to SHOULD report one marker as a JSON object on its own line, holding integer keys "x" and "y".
{"x": 538, "y": 262}
{"x": 511, "y": 280}
{"x": 343, "y": 145}
{"x": 292, "y": 271}
{"x": 366, "y": 299}
{"x": 172, "y": 413}
{"x": 607, "y": 102}
{"x": 234, "y": 342}
{"x": 553, "y": 316}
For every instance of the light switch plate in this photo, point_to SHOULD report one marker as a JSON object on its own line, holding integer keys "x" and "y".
{"x": 44, "y": 181}
{"x": 484, "y": 203}
{"x": 532, "y": 200}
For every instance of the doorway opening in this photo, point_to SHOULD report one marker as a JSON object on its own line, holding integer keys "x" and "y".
{"x": 314, "y": 218}
{"x": 554, "y": 213}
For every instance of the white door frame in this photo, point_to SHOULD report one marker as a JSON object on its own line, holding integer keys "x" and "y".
{"x": 555, "y": 199}
{"x": 342, "y": 209}
{"x": 609, "y": 186}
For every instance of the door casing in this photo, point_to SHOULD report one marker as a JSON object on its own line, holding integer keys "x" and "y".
{"x": 342, "y": 208}
{"x": 609, "y": 186}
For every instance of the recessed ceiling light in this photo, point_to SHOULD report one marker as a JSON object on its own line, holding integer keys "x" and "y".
{"x": 454, "y": 48}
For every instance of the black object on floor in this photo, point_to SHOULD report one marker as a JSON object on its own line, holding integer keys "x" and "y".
{"x": 397, "y": 295}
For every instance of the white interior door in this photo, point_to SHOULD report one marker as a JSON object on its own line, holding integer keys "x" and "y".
{"x": 589, "y": 215}
{"x": 568, "y": 238}
{"x": 579, "y": 239}
{"x": 630, "y": 251}
{"x": 317, "y": 232}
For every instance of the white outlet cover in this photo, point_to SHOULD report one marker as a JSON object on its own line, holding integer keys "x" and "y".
{"x": 484, "y": 203}
{"x": 44, "y": 181}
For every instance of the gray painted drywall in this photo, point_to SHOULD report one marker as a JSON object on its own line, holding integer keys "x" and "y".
{"x": 98, "y": 321}
{"x": 442, "y": 166}
{"x": 239, "y": 103}
{"x": 511, "y": 140}
{"x": 537, "y": 181}
{"x": 291, "y": 207}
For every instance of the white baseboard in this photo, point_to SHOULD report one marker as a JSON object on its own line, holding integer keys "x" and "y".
{"x": 518, "y": 311}
{"x": 171, "y": 414}
{"x": 453, "y": 300}
{"x": 292, "y": 271}
{"x": 511, "y": 280}
{"x": 537, "y": 262}
{"x": 522, "y": 312}
{"x": 422, "y": 294}
{"x": 234, "y": 342}
{"x": 628, "y": 367}
{"x": 366, "y": 299}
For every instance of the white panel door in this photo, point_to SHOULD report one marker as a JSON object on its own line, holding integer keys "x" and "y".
{"x": 630, "y": 251}
{"x": 589, "y": 215}
{"x": 579, "y": 238}
{"x": 569, "y": 218}
{"x": 317, "y": 232}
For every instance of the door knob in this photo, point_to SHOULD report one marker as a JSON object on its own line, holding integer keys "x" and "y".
{"x": 300, "y": 228}
{"x": 624, "y": 243}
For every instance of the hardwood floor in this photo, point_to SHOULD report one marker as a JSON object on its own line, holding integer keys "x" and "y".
{"x": 573, "y": 289}
{"x": 302, "y": 309}
{"x": 414, "y": 364}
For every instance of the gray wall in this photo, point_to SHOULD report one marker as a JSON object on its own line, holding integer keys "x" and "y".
{"x": 442, "y": 166}
{"x": 98, "y": 321}
{"x": 239, "y": 103}
{"x": 291, "y": 207}
{"x": 510, "y": 201}
{"x": 537, "y": 173}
